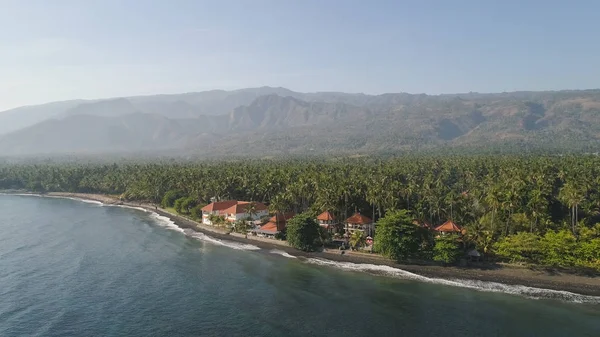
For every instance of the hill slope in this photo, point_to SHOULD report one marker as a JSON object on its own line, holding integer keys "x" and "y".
{"x": 317, "y": 123}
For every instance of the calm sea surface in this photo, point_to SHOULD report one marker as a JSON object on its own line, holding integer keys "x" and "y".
{"x": 69, "y": 268}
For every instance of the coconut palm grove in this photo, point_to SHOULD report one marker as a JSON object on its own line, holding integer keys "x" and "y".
{"x": 542, "y": 210}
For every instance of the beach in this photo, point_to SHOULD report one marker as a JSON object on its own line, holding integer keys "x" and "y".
{"x": 504, "y": 274}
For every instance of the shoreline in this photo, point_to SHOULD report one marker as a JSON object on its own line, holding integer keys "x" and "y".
{"x": 505, "y": 275}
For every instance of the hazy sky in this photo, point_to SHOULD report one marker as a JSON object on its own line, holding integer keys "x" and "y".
{"x": 65, "y": 49}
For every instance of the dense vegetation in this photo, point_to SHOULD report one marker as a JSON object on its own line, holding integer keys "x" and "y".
{"x": 522, "y": 209}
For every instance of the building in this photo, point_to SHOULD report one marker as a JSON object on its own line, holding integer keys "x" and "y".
{"x": 361, "y": 223}
{"x": 276, "y": 224}
{"x": 327, "y": 221}
{"x": 448, "y": 227}
{"x": 233, "y": 210}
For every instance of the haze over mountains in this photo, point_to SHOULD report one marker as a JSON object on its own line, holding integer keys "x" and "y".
{"x": 269, "y": 121}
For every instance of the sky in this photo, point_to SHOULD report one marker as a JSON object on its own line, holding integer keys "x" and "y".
{"x": 67, "y": 49}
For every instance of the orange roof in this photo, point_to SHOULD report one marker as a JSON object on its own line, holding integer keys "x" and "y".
{"x": 449, "y": 227}
{"x": 242, "y": 206}
{"x": 282, "y": 217}
{"x": 219, "y": 206}
{"x": 359, "y": 219}
{"x": 269, "y": 226}
{"x": 326, "y": 216}
{"x": 232, "y": 206}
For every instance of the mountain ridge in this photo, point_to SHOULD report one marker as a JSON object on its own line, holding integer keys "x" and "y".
{"x": 271, "y": 121}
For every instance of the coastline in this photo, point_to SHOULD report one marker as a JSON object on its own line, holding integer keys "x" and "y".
{"x": 504, "y": 275}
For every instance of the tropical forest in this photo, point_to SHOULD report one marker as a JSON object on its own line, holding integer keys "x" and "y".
{"x": 536, "y": 210}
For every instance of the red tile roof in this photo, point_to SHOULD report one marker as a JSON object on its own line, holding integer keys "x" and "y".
{"x": 326, "y": 216}
{"x": 359, "y": 219}
{"x": 448, "y": 227}
{"x": 282, "y": 217}
{"x": 219, "y": 206}
{"x": 232, "y": 207}
{"x": 242, "y": 206}
{"x": 270, "y": 227}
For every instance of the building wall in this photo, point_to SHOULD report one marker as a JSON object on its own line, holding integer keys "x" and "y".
{"x": 234, "y": 217}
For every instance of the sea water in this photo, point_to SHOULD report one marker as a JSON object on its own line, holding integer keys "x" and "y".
{"x": 69, "y": 268}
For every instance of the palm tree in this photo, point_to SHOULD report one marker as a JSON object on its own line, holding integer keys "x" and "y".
{"x": 357, "y": 239}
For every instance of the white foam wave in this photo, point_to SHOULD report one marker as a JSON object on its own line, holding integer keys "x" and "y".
{"x": 24, "y": 194}
{"x": 225, "y": 243}
{"x": 282, "y": 253}
{"x": 129, "y": 207}
{"x": 87, "y": 201}
{"x": 531, "y": 292}
{"x": 166, "y": 222}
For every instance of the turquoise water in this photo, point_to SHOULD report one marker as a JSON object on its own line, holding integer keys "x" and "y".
{"x": 69, "y": 268}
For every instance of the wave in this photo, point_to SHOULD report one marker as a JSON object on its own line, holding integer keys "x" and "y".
{"x": 231, "y": 244}
{"x": 87, "y": 201}
{"x": 282, "y": 253}
{"x": 166, "y": 222}
{"x": 23, "y": 194}
{"x": 530, "y": 292}
{"x": 130, "y": 207}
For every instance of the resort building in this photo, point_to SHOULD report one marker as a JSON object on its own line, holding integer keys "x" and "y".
{"x": 327, "y": 221}
{"x": 233, "y": 210}
{"x": 276, "y": 224}
{"x": 361, "y": 223}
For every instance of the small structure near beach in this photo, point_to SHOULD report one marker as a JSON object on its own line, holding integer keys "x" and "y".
{"x": 276, "y": 224}
{"x": 327, "y": 221}
{"x": 359, "y": 222}
{"x": 448, "y": 227}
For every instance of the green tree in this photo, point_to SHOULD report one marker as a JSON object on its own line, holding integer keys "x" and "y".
{"x": 396, "y": 236}
{"x": 169, "y": 198}
{"x": 446, "y": 249}
{"x": 196, "y": 212}
{"x": 357, "y": 239}
{"x": 303, "y": 232}
{"x": 187, "y": 204}
{"x": 559, "y": 248}
{"x": 178, "y": 205}
{"x": 520, "y": 247}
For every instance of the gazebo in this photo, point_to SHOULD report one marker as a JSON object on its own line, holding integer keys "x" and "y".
{"x": 448, "y": 227}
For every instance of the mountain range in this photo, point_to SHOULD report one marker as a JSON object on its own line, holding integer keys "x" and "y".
{"x": 269, "y": 121}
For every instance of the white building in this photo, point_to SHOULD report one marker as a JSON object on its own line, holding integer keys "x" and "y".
{"x": 233, "y": 210}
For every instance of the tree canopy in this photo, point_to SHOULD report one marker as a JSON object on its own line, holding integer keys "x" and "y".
{"x": 397, "y": 237}
{"x": 493, "y": 198}
{"x": 303, "y": 232}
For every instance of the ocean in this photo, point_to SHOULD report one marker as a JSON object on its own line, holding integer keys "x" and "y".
{"x": 74, "y": 268}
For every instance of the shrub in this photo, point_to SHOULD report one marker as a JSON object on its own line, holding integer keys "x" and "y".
{"x": 446, "y": 249}
{"x": 520, "y": 247}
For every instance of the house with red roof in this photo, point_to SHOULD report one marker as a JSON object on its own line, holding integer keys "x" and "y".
{"x": 276, "y": 224}
{"x": 327, "y": 221}
{"x": 234, "y": 210}
{"x": 359, "y": 222}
